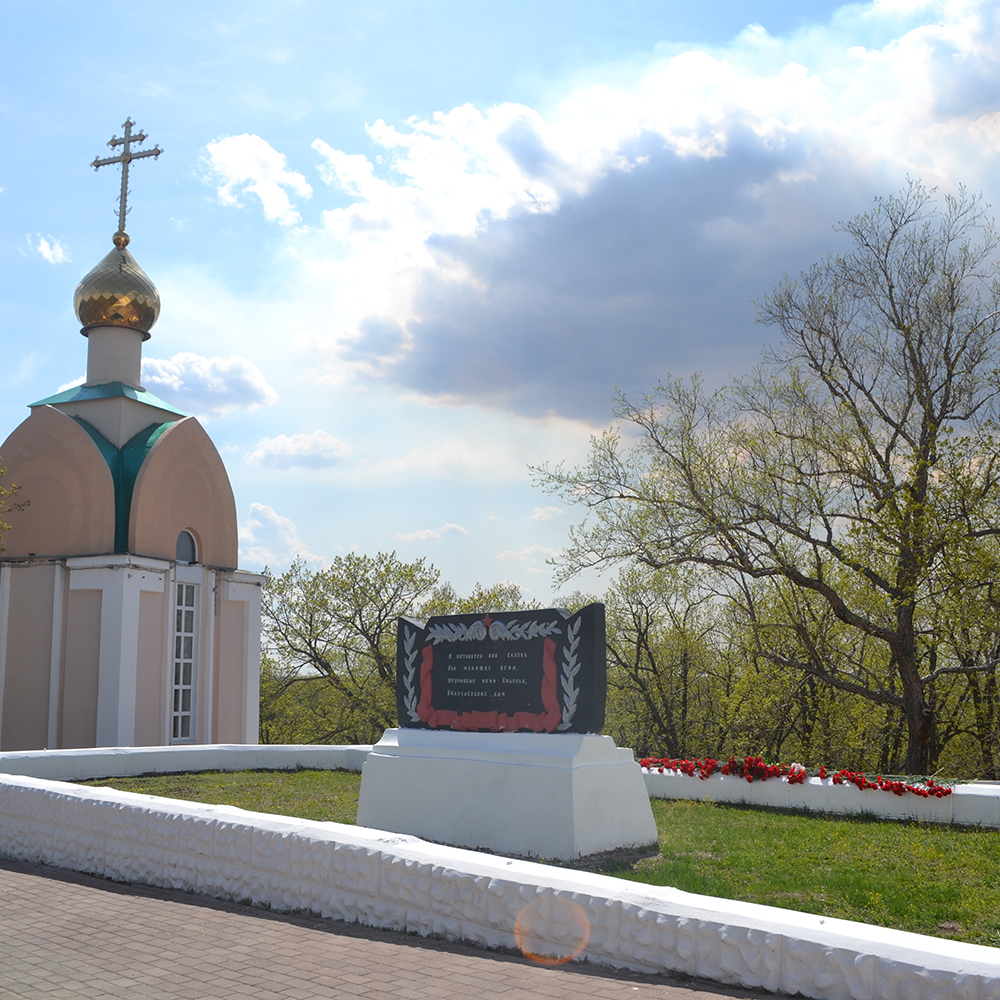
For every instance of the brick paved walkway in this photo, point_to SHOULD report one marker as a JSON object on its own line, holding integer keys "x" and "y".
{"x": 65, "y": 935}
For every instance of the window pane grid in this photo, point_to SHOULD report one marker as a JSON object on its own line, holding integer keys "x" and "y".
{"x": 183, "y": 680}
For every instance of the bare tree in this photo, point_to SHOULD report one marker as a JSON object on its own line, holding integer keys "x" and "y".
{"x": 857, "y": 467}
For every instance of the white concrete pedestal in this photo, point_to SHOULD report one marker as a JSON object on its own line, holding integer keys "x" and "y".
{"x": 534, "y": 794}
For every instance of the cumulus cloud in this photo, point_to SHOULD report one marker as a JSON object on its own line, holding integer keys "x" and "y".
{"x": 430, "y": 534}
{"x": 312, "y": 451}
{"x": 546, "y": 513}
{"x": 248, "y": 163}
{"x": 529, "y": 554}
{"x": 53, "y": 250}
{"x": 208, "y": 386}
{"x": 268, "y": 539}
{"x": 79, "y": 380}
{"x": 531, "y": 262}
{"x": 379, "y": 341}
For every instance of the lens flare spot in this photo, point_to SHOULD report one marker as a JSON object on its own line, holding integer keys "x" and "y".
{"x": 552, "y": 930}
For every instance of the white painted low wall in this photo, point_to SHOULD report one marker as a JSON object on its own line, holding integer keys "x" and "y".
{"x": 116, "y": 762}
{"x": 974, "y": 804}
{"x": 395, "y": 881}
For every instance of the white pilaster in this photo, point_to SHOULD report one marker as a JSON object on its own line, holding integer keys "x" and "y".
{"x": 55, "y": 664}
{"x": 120, "y": 580}
{"x": 169, "y": 619}
{"x": 211, "y": 604}
{"x": 251, "y": 705}
{"x": 246, "y": 588}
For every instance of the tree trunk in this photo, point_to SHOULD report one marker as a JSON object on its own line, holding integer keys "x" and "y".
{"x": 919, "y": 714}
{"x": 919, "y": 726}
{"x": 984, "y": 702}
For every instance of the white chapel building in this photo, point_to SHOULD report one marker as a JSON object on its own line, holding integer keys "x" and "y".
{"x": 124, "y": 620}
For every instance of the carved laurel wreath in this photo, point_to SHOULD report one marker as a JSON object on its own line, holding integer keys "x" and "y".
{"x": 410, "y": 674}
{"x": 477, "y": 631}
{"x": 570, "y": 668}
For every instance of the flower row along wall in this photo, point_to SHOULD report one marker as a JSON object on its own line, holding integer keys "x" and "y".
{"x": 752, "y": 781}
{"x": 753, "y": 769}
{"x": 399, "y": 882}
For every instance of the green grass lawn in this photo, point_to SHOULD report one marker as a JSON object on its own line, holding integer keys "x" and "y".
{"x": 916, "y": 877}
{"x": 331, "y": 796}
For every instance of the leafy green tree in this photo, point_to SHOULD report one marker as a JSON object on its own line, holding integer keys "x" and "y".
{"x": 686, "y": 679}
{"x": 506, "y": 596}
{"x": 661, "y": 664}
{"x": 329, "y": 643}
{"x": 969, "y": 637}
{"x": 329, "y": 638}
{"x": 856, "y": 469}
{"x": 791, "y": 713}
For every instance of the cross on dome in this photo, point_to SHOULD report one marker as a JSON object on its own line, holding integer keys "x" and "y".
{"x": 126, "y": 156}
{"x": 117, "y": 292}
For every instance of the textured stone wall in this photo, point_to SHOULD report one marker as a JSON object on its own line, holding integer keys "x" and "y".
{"x": 111, "y": 762}
{"x": 394, "y": 881}
{"x": 972, "y": 804}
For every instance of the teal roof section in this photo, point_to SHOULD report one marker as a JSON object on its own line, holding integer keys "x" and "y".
{"x": 125, "y": 463}
{"x": 108, "y": 390}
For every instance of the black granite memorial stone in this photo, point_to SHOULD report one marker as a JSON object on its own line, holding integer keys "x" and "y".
{"x": 541, "y": 671}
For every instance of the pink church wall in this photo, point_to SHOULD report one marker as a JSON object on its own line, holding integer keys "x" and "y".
{"x": 65, "y": 478}
{"x": 183, "y": 485}
{"x": 25, "y": 721}
{"x": 56, "y": 603}
{"x": 150, "y": 712}
{"x": 229, "y": 673}
{"x": 80, "y": 670}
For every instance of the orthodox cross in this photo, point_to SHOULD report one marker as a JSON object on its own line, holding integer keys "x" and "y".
{"x": 125, "y": 158}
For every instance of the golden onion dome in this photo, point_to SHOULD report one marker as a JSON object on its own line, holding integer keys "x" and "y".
{"x": 117, "y": 293}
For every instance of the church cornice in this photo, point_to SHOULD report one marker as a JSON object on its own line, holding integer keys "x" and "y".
{"x": 108, "y": 390}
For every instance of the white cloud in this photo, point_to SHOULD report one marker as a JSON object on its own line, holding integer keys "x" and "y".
{"x": 315, "y": 451}
{"x": 531, "y": 553}
{"x": 430, "y": 534}
{"x": 546, "y": 513}
{"x": 241, "y": 163}
{"x": 268, "y": 539}
{"x": 530, "y": 262}
{"x": 53, "y": 250}
{"x": 209, "y": 386}
{"x": 79, "y": 380}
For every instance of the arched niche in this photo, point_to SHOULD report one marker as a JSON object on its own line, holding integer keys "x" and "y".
{"x": 183, "y": 486}
{"x": 186, "y": 549}
{"x": 68, "y": 485}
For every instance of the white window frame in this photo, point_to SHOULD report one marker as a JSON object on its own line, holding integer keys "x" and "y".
{"x": 178, "y": 687}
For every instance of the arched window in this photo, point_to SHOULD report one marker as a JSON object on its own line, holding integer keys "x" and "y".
{"x": 187, "y": 551}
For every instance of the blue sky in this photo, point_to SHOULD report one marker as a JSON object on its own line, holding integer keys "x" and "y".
{"x": 407, "y": 249}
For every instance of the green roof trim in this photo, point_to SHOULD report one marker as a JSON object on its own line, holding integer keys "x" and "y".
{"x": 107, "y": 390}
{"x": 124, "y": 463}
